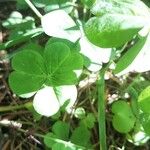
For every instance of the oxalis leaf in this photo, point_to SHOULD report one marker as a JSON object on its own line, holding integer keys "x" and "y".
{"x": 55, "y": 68}
{"x": 113, "y": 30}
{"x": 123, "y": 119}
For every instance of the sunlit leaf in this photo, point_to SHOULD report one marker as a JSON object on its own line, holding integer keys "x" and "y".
{"x": 113, "y": 30}
{"x": 60, "y": 27}
{"x": 45, "y": 102}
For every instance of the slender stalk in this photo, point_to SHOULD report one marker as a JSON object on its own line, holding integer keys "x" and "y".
{"x": 33, "y": 8}
{"x": 101, "y": 111}
{"x": 15, "y": 107}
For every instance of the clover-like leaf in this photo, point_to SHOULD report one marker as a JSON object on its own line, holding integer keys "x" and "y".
{"x": 55, "y": 68}
{"x": 123, "y": 119}
{"x": 144, "y": 100}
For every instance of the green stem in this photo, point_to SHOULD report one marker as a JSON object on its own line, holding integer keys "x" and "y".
{"x": 101, "y": 111}
{"x": 15, "y": 107}
{"x": 33, "y": 8}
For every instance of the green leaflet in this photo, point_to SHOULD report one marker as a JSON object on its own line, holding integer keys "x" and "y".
{"x": 29, "y": 73}
{"x": 130, "y": 55}
{"x": 60, "y": 132}
{"x": 79, "y": 133}
{"x": 74, "y": 47}
{"x": 60, "y": 64}
{"x": 56, "y": 67}
{"x": 112, "y": 30}
{"x": 145, "y": 121}
{"x": 123, "y": 119}
{"x": 144, "y": 100}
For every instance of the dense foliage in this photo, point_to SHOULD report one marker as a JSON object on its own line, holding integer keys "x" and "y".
{"x": 54, "y": 54}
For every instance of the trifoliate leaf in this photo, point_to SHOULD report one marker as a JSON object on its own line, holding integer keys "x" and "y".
{"x": 113, "y": 30}
{"x": 45, "y": 102}
{"x": 55, "y": 68}
{"x": 60, "y": 27}
{"x": 144, "y": 100}
{"x": 123, "y": 119}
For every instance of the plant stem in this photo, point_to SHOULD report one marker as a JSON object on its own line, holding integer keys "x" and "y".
{"x": 15, "y": 107}
{"x": 101, "y": 111}
{"x": 33, "y": 8}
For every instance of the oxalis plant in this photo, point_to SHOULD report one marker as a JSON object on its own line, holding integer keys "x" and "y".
{"x": 111, "y": 35}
